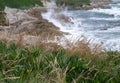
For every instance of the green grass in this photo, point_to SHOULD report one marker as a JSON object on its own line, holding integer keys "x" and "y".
{"x": 19, "y": 3}
{"x": 33, "y": 65}
{"x": 73, "y": 2}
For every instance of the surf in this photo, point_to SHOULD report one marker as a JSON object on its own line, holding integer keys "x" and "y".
{"x": 100, "y": 25}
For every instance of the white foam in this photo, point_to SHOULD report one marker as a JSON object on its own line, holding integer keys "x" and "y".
{"x": 112, "y": 11}
{"x": 107, "y": 19}
{"x": 112, "y": 44}
{"x": 77, "y": 30}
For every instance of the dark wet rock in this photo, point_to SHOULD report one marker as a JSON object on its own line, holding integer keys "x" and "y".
{"x": 103, "y": 29}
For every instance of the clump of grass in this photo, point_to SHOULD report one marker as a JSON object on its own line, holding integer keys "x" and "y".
{"x": 16, "y": 63}
{"x": 20, "y": 40}
{"x": 33, "y": 64}
{"x": 80, "y": 47}
{"x": 84, "y": 48}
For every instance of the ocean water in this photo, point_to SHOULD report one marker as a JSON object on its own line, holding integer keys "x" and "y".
{"x": 100, "y": 25}
{"x": 116, "y": 0}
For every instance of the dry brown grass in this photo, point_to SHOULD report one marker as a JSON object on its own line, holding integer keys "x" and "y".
{"x": 80, "y": 47}
{"x": 19, "y": 42}
{"x": 50, "y": 46}
{"x": 24, "y": 39}
{"x": 4, "y": 36}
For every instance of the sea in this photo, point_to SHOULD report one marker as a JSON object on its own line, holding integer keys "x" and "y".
{"x": 101, "y": 26}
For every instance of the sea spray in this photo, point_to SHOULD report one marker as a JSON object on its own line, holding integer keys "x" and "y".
{"x": 72, "y": 26}
{"x": 60, "y": 18}
{"x": 99, "y": 26}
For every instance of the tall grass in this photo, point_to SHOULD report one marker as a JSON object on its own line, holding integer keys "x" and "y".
{"x": 34, "y": 65}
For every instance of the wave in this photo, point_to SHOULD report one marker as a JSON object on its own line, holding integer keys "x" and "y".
{"x": 100, "y": 25}
{"x": 114, "y": 10}
{"x": 112, "y": 44}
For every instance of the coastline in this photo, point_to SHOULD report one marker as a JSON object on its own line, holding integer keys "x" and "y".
{"x": 91, "y": 6}
{"x": 38, "y": 24}
{"x": 34, "y": 47}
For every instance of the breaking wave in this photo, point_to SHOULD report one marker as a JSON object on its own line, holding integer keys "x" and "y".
{"x": 101, "y": 25}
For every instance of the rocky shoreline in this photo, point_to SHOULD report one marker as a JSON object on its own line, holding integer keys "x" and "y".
{"x": 88, "y": 7}
{"x": 30, "y": 22}
{"x": 91, "y": 6}
{"x": 28, "y": 26}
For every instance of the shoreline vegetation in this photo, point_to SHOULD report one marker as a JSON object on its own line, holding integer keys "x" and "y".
{"x": 27, "y": 54}
{"x": 34, "y": 65}
{"x": 73, "y": 4}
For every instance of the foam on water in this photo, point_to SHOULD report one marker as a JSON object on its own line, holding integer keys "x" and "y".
{"x": 114, "y": 10}
{"x": 100, "y": 25}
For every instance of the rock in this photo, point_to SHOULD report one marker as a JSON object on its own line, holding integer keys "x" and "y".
{"x": 64, "y": 18}
{"x": 103, "y": 29}
{"x": 16, "y": 15}
{"x": 36, "y": 12}
{"x": 30, "y": 22}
